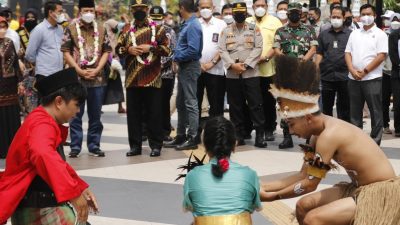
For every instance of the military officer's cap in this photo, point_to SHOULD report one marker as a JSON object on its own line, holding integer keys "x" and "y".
{"x": 156, "y": 13}
{"x": 136, "y": 3}
{"x": 239, "y": 7}
{"x": 295, "y": 6}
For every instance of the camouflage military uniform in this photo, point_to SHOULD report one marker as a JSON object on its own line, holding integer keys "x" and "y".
{"x": 295, "y": 41}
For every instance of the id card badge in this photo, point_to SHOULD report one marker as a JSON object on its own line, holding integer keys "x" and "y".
{"x": 215, "y": 37}
{"x": 335, "y": 44}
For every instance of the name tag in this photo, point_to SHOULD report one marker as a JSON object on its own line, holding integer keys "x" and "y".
{"x": 215, "y": 37}
{"x": 335, "y": 44}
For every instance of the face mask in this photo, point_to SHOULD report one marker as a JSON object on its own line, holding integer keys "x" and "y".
{"x": 294, "y": 17}
{"x": 228, "y": 19}
{"x": 348, "y": 21}
{"x": 3, "y": 32}
{"x": 170, "y": 23}
{"x": 239, "y": 17}
{"x": 282, "y": 14}
{"x": 60, "y": 18}
{"x": 139, "y": 15}
{"x": 395, "y": 25}
{"x": 206, "y": 13}
{"x": 386, "y": 23}
{"x": 30, "y": 24}
{"x": 312, "y": 20}
{"x": 367, "y": 20}
{"x": 88, "y": 17}
{"x": 336, "y": 23}
{"x": 260, "y": 12}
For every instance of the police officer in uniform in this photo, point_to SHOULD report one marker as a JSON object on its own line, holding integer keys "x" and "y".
{"x": 240, "y": 47}
{"x": 297, "y": 40}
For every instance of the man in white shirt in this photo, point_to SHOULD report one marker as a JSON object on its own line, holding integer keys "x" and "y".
{"x": 365, "y": 52}
{"x": 212, "y": 76}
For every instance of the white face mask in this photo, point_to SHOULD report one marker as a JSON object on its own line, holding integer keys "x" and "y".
{"x": 3, "y": 32}
{"x": 170, "y": 23}
{"x": 260, "y": 12}
{"x": 61, "y": 18}
{"x": 282, "y": 14}
{"x": 88, "y": 17}
{"x": 386, "y": 23}
{"x": 367, "y": 20}
{"x": 228, "y": 19}
{"x": 206, "y": 13}
{"x": 336, "y": 23}
{"x": 395, "y": 25}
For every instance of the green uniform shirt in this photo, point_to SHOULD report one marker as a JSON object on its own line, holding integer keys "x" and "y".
{"x": 295, "y": 41}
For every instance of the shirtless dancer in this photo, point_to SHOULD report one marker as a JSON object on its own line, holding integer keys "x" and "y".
{"x": 373, "y": 195}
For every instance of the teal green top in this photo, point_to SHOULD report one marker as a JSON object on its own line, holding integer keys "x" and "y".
{"x": 236, "y": 192}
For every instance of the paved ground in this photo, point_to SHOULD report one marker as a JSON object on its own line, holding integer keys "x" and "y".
{"x": 142, "y": 191}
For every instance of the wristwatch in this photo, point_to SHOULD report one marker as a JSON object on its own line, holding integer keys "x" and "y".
{"x": 267, "y": 59}
{"x": 214, "y": 61}
{"x": 366, "y": 71}
{"x": 246, "y": 66}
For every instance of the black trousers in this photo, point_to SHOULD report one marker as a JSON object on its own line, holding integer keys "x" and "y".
{"x": 396, "y": 103}
{"x": 215, "y": 86}
{"x": 240, "y": 91}
{"x": 269, "y": 104}
{"x": 386, "y": 93}
{"x": 369, "y": 91}
{"x": 147, "y": 99}
{"x": 329, "y": 90}
{"x": 167, "y": 88}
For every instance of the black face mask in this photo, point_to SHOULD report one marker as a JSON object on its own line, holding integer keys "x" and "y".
{"x": 294, "y": 17}
{"x": 347, "y": 22}
{"x": 239, "y": 17}
{"x": 30, "y": 24}
{"x": 312, "y": 20}
{"x": 139, "y": 15}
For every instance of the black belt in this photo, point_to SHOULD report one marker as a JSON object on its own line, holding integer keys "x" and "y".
{"x": 36, "y": 199}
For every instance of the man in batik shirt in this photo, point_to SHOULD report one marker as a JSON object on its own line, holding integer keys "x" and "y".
{"x": 86, "y": 48}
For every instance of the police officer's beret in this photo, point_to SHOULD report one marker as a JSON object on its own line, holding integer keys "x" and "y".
{"x": 135, "y": 3}
{"x": 294, "y": 6}
{"x": 239, "y": 7}
{"x": 157, "y": 13}
{"x": 56, "y": 81}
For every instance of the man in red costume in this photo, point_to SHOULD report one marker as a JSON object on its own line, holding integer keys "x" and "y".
{"x": 38, "y": 186}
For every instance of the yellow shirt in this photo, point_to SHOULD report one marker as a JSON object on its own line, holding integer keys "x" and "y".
{"x": 268, "y": 26}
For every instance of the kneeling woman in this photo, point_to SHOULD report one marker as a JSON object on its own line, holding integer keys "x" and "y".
{"x": 221, "y": 192}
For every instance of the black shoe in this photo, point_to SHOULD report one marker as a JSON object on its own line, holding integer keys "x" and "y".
{"x": 155, "y": 152}
{"x": 190, "y": 143}
{"x": 260, "y": 141}
{"x": 74, "y": 154}
{"x": 286, "y": 143}
{"x": 134, "y": 152}
{"x": 397, "y": 134}
{"x": 269, "y": 136}
{"x": 240, "y": 142}
{"x": 168, "y": 139}
{"x": 97, "y": 153}
{"x": 67, "y": 143}
{"x": 178, "y": 140}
